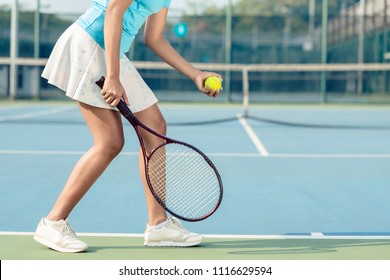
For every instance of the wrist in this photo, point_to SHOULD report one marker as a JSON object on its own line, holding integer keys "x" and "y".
{"x": 194, "y": 74}
{"x": 112, "y": 76}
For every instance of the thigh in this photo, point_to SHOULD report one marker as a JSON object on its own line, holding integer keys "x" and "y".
{"x": 105, "y": 124}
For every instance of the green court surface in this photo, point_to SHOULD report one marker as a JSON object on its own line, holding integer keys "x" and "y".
{"x": 23, "y": 247}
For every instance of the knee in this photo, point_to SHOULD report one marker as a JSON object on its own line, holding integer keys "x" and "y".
{"x": 111, "y": 147}
{"x": 116, "y": 146}
{"x": 160, "y": 126}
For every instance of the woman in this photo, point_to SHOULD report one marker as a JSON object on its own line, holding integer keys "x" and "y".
{"x": 93, "y": 47}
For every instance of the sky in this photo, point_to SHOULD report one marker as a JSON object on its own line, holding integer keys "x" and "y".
{"x": 78, "y": 6}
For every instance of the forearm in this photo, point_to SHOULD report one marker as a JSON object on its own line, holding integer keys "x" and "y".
{"x": 113, "y": 90}
{"x": 155, "y": 40}
{"x": 112, "y": 38}
{"x": 167, "y": 53}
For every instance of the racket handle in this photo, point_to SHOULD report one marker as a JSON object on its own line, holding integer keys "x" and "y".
{"x": 100, "y": 83}
{"x": 126, "y": 112}
{"x": 122, "y": 107}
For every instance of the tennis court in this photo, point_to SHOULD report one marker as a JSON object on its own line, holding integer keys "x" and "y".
{"x": 300, "y": 182}
{"x": 299, "y": 136}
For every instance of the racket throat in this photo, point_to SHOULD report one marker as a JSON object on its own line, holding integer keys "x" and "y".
{"x": 147, "y": 152}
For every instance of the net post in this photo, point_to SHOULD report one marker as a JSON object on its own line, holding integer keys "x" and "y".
{"x": 245, "y": 88}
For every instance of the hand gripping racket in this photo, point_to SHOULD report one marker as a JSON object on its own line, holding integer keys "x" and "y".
{"x": 181, "y": 178}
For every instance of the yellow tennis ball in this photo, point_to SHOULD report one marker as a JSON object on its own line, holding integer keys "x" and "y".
{"x": 213, "y": 82}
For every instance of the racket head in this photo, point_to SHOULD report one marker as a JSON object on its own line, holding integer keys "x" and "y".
{"x": 184, "y": 181}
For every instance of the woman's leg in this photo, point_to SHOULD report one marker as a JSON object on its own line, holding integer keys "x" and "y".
{"x": 160, "y": 231}
{"x": 152, "y": 118}
{"x": 107, "y": 131}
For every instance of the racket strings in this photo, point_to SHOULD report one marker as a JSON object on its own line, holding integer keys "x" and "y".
{"x": 184, "y": 180}
{"x": 177, "y": 158}
{"x": 200, "y": 209}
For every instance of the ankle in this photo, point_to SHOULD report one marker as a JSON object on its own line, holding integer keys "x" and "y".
{"x": 49, "y": 222}
{"x": 157, "y": 221}
{"x": 54, "y": 218}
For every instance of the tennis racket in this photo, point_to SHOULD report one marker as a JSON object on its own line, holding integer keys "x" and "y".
{"x": 182, "y": 179}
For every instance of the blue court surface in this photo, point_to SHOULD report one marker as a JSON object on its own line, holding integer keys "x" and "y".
{"x": 294, "y": 170}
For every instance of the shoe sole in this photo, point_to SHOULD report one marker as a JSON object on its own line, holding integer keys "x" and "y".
{"x": 171, "y": 244}
{"x": 57, "y": 248}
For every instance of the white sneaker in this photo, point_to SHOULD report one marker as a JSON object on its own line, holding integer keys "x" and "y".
{"x": 170, "y": 234}
{"x": 59, "y": 236}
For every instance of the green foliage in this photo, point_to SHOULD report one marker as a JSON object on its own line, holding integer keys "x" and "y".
{"x": 266, "y": 7}
{"x": 5, "y": 17}
{"x": 260, "y": 15}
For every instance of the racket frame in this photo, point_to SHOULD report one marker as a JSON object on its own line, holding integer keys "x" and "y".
{"x": 132, "y": 119}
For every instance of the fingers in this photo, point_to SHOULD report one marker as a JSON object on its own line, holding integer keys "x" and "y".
{"x": 113, "y": 92}
{"x": 113, "y": 99}
{"x": 126, "y": 99}
{"x": 215, "y": 89}
{"x": 212, "y": 92}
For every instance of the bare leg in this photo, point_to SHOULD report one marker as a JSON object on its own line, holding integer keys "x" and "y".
{"x": 107, "y": 131}
{"x": 153, "y": 119}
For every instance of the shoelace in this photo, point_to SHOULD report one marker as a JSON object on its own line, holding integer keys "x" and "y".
{"x": 177, "y": 223}
{"x": 65, "y": 228}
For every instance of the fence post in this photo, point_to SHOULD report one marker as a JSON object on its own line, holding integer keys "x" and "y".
{"x": 228, "y": 49}
{"x": 35, "y": 83}
{"x": 324, "y": 49}
{"x": 13, "y": 77}
{"x": 360, "y": 59}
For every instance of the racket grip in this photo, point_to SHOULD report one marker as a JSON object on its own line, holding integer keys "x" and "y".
{"x": 100, "y": 83}
{"x": 122, "y": 107}
{"x": 125, "y": 111}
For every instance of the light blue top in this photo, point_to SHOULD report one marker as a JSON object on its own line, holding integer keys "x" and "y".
{"x": 93, "y": 20}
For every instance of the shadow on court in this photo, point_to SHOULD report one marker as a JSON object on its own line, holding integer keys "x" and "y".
{"x": 305, "y": 248}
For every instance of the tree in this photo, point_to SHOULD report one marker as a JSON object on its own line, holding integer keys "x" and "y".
{"x": 266, "y": 7}
{"x": 267, "y": 15}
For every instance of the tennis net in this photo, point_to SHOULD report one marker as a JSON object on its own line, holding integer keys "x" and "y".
{"x": 247, "y": 86}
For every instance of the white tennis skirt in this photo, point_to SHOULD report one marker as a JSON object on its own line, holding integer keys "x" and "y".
{"x": 77, "y": 62}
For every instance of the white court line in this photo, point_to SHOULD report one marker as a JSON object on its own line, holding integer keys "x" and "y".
{"x": 346, "y": 156}
{"x": 252, "y": 135}
{"x": 317, "y": 234}
{"x": 53, "y": 153}
{"x": 254, "y": 155}
{"x": 330, "y": 155}
{"x": 36, "y": 114}
{"x": 222, "y": 236}
{"x": 38, "y": 152}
